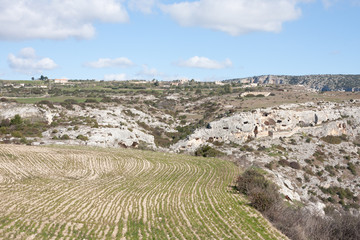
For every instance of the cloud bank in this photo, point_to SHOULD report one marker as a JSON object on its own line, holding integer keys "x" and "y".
{"x": 56, "y": 19}
{"x": 234, "y": 17}
{"x": 28, "y": 62}
{"x": 203, "y": 62}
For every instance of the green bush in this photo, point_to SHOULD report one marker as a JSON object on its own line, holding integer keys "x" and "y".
{"x": 65, "y": 137}
{"x": 334, "y": 139}
{"x": 82, "y": 137}
{"x": 16, "y": 120}
{"x": 352, "y": 168}
{"x": 91, "y": 100}
{"x": 207, "y": 151}
{"x": 17, "y": 134}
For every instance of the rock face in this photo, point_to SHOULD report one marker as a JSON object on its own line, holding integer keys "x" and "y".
{"x": 319, "y": 82}
{"x": 283, "y": 121}
{"x": 9, "y": 110}
{"x": 290, "y": 142}
{"x": 116, "y": 126}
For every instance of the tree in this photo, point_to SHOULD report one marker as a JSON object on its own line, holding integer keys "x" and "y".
{"x": 43, "y": 78}
{"x": 33, "y": 78}
{"x": 227, "y": 88}
{"x": 16, "y": 120}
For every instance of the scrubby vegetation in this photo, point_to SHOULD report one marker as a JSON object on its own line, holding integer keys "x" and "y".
{"x": 262, "y": 193}
{"x": 20, "y": 128}
{"x": 294, "y": 221}
{"x": 334, "y": 139}
{"x": 207, "y": 151}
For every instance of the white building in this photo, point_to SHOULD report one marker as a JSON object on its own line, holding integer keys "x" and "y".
{"x": 61, "y": 81}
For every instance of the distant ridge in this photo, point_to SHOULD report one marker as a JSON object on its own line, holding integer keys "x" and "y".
{"x": 326, "y": 82}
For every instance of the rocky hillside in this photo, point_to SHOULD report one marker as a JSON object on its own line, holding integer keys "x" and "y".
{"x": 319, "y": 82}
{"x": 311, "y": 150}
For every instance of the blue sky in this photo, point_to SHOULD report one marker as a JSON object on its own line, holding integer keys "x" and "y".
{"x": 167, "y": 39}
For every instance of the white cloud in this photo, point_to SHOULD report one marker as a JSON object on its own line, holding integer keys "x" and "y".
{"x": 108, "y": 62}
{"x": 116, "y": 77}
{"x": 56, "y": 19}
{"x": 203, "y": 62}
{"x": 235, "y": 17}
{"x": 29, "y": 63}
{"x": 144, "y": 6}
{"x": 149, "y": 72}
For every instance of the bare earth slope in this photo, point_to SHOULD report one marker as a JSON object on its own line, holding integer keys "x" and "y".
{"x": 91, "y": 193}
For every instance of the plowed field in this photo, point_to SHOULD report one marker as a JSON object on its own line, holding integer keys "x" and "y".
{"x": 93, "y": 193}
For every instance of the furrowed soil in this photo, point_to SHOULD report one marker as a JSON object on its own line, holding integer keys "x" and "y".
{"x": 95, "y": 193}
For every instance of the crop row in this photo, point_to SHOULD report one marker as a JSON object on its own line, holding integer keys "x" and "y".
{"x": 73, "y": 193}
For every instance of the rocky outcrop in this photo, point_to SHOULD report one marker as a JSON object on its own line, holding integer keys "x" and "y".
{"x": 116, "y": 126}
{"x": 32, "y": 112}
{"x": 325, "y": 82}
{"x": 284, "y": 121}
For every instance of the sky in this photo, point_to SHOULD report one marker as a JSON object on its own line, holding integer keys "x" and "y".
{"x": 205, "y": 40}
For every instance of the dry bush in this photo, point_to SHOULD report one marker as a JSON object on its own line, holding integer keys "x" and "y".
{"x": 284, "y": 163}
{"x": 295, "y": 222}
{"x": 262, "y": 193}
{"x": 295, "y": 165}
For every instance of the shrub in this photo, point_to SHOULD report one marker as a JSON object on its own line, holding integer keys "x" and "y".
{"x": 68, "y": 104}
{"x": 82, "y": 137}
{"x": 5, "y": 123}
{"x": 261, "y": 192}
{"x": 332, "y": 139}
{"x": 271, "y": 165}
{"x": 16, "y": 120}
{"x": 46, "y": 102}
{"x": 65, "y": 137}
{"x": 106, "y": 100}
{"x": 319, "y": 155}
{"x": 352, "y": 168}
{"x": 295, "y": 222}
{"x": 246, "y": 148}
{"x": 295, "y": 165}
{"x": 17, "y": 134}
{"x": 70, "y": 101}
{"x": 91, "y": 100}
{"x": 207, "y": 151}
{"x": 284, "y": 163}
{"x": 331, "y": 170}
